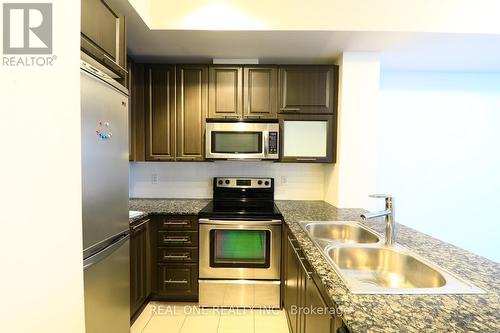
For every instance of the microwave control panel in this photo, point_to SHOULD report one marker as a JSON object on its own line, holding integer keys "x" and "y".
{"x": 273, "y": 142}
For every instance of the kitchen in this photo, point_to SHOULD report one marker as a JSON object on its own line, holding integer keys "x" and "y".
{"x": 251, "y": 170}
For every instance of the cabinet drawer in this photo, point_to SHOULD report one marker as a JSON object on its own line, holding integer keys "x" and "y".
{"x": 178, "y": 279}
{"x": 178, "y": 223}
{"x": 178, "y": 238}
{"x": 177, "y": 254}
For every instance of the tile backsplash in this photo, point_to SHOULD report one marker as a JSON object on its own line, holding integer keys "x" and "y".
{"x": 194, "y": 179}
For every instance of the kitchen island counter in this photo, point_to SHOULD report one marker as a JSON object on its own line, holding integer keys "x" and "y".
{"x": 403, "y": 313}
{"x": 382, "y": 313}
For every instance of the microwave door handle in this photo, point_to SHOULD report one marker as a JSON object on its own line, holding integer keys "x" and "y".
{"x": 266, "y": 143}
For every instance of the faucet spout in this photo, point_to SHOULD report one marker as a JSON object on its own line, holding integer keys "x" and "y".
{"x": 390, "y": 232}
{"x": 367, "y": 216}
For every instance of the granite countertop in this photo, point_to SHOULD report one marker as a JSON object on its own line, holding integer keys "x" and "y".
{"x": 383, "y": 313}
{"x": 404, "y": 313}
{"x": 166, "y": 206}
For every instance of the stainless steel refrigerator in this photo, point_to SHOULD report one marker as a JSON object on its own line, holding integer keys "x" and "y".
{"x": 104, "y": 115}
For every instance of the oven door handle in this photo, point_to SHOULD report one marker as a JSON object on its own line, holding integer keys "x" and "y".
{"x": 237, "y": 222}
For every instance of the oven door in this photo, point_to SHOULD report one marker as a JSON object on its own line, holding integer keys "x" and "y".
{"x": 238, "y": 140}
{"x": 240, "y": 249}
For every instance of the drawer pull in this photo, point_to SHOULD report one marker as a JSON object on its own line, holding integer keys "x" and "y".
{"x": 290, "y": 109}
{"x": 176, "y": 223}
{"x": 176, "y": 281}
{"x": 172, "y": 256}
{"x": 176, "y": 239}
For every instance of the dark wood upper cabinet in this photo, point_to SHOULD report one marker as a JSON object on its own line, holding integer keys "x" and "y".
{"x": 225, "y": 92}
{"x": 192, "y": 105}
{"x": 308, "y": 138}
{"x": 103, "y": 37}
{"x": 160, "y": 113}
{"x": 137, "y": 89}
{"x": 308, "y": 89}
{"x": 259, "y": 91}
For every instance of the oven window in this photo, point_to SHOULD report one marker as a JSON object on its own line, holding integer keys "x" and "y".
{"x": 240, "y": 248}
{"x": 237, "y": 142}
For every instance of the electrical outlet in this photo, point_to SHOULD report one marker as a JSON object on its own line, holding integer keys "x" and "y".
{"x": 154, "y": 179}
{"x": 283, "y": 180}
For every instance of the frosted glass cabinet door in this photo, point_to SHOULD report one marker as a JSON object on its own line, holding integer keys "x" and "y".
{"x": 307, "y": 138}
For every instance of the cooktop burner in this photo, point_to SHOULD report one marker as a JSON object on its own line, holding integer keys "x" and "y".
{"x": 212, "y": 210}
{"x": 242, "y": 198}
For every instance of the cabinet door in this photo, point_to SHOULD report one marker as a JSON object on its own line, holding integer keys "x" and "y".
{"x": 192, "y": 102}
{"x": 137, "y": 145}
{"x": 160, "y": 113}
{"x": 260, "y": 96}
{"x": 291, "y": 297}
{"x": 316, "y": 321}
{"x": 103, "y": 34}
{"x": 308, "y": 89}
{"x": 225, "y": 92}
{"x": 140, "y": 265}
{"x": 178, "y": 281}
{"x": 308, "y": 138}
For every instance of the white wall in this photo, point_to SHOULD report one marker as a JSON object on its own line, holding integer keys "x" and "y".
{"x": 439, "y": 155}
{"x": 194, "y": 180}
{"x": 353, "y": 177}
{"x": 40, "y": 221}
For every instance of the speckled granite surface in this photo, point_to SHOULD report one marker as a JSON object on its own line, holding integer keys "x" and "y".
{"x": 167, "y": 206}
{"x": 404, "y": 313}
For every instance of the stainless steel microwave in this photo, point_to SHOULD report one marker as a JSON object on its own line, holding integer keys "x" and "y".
{"x": 242, "y": 140}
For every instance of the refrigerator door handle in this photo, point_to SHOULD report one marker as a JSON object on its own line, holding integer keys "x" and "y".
{"x": 99, "y": 256}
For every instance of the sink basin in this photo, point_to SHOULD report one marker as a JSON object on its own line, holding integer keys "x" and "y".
{"x": 395, "y": 270}
{"x": 341, "y": 232}
{"x": 385, "y": 268}
{"x": 368, "y": 267}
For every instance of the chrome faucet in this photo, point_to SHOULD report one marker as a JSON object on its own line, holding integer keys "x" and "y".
{"x": 390, "y": 232}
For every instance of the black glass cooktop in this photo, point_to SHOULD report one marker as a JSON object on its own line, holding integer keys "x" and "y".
{"x": 241, "y": 210}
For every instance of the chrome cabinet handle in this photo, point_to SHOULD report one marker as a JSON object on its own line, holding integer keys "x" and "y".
{"x": 308, "y": 273}
{"x": 176, "y": 223}
{"x": 290, "y": 109}
{"x": 140, "y": 225}
{"x": 176, "y": 239}
{"x": 176, "y": 281}
{"x": 171, "y": 256}
{"x": 306, "y": 159}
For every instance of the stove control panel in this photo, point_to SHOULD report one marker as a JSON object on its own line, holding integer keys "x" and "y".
{"x": 231, "y": 182}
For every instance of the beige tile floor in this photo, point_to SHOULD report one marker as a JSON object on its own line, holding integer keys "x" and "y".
{"x": 159, "y": 317}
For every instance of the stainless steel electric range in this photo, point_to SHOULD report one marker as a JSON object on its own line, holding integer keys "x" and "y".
{"x": 240, "y": 245}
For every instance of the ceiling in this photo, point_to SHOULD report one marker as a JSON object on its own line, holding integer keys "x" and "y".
{"x": 398, "y": 50}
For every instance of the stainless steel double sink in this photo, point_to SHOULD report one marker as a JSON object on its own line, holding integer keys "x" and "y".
{"x": 366, "y": 266}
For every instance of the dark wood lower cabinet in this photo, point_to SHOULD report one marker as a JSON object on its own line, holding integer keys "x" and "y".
{"x": 178, "y": 282}
{"x": 163, "y": 260}
{"x": 175, "y": 276}
{"x": 303, "y": 300}
{"x": 140, "y": 264}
